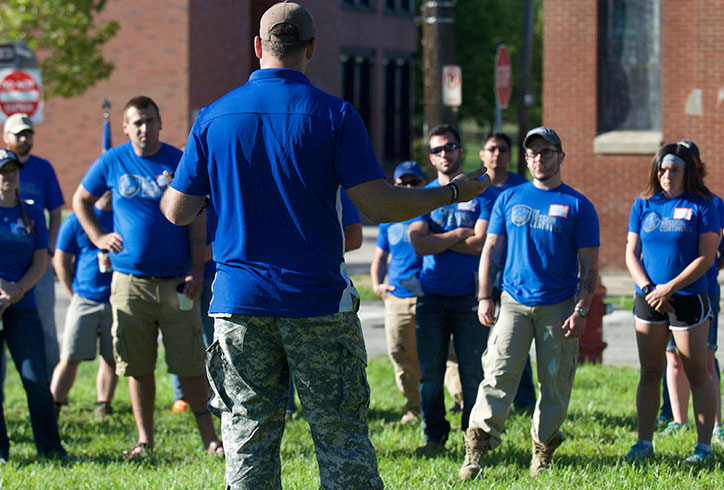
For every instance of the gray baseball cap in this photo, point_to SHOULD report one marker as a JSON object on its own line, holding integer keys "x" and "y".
{"x": 289, "y": 13}
{"x": 543, "y": 132}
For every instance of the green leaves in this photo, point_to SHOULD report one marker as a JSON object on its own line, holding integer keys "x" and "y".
{"x": 66, "y": 38}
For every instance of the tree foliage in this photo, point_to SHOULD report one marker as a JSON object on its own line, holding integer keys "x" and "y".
{"x": 66, "y": 37}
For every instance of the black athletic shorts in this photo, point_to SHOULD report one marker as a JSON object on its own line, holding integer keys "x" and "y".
{"x": 691, "y": 310}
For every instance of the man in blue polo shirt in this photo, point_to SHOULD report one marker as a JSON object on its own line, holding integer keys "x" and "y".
{"x": 549, "y": 236}
{"x": 39, "y": 187}
{"x": 274, "y": 155}
{"x": 449, "y": 239}
{"x": 151, "y": 258}
{"x": 85, "y": 273}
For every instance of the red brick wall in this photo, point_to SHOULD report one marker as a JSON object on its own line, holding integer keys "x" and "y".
{"x": 692, "y": 57}
{"x": 150, "y": 52}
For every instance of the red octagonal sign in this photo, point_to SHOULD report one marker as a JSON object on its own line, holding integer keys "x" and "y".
{"x": 19, "y": 92}
{"x": 503, "y": 76}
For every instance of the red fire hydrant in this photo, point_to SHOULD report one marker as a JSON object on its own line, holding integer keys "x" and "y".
{"x": 591, "y": 344}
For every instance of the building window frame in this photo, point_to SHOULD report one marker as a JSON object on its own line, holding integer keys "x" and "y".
{"x": 398, "y": 86}
{"x": 357, "y": 80}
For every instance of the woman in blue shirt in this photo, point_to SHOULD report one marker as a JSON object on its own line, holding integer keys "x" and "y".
{"x": 672, "y": 238}
{"x": 23, "y": 260}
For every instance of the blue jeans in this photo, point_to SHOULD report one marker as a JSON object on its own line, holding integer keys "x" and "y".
{"x": 208, "y": 323}
{"x": 436, "y": 319}
{"x": 23, "y": 334}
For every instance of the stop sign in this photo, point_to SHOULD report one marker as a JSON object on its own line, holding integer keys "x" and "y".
{"x": 20, "y": 91}
{"x": 503, "y": 78}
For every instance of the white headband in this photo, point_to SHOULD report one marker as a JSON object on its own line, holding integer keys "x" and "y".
{"x": 671, "y": 158}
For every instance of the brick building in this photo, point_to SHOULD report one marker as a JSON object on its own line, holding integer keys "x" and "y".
{"x": 619, "y": 78}
{"x": 186, "y": 53}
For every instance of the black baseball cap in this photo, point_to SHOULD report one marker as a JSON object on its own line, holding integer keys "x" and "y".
{"x": 7, "y": 156}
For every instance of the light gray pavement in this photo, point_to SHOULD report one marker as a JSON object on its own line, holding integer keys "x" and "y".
{"x": 618, "y": 329}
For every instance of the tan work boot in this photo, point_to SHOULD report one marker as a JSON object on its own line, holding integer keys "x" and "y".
{"x": 476, "y": 449}
{"x": 543, "y": 454}
{"x": 431, "y": 448}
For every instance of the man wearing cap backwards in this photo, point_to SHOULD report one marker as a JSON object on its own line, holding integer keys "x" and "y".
{"x": 549, "y": 235}
{"x": 150, "y": 258}
{"x": 449, "y": 239}
{"x": 274, "y": 155}
{"x": 39, "y": 186}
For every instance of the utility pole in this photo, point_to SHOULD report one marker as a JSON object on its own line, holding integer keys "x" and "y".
{"x": 438, "y": 44}
{"x": 525, "y": 63}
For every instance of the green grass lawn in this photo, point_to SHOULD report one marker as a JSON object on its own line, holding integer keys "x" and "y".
{"x": 600, "y": 428}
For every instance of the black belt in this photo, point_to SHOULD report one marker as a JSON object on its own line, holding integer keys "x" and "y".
{"x": 153, "y": 278}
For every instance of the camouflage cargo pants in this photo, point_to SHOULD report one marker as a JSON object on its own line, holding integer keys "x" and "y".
{"x": 249, "y": 365}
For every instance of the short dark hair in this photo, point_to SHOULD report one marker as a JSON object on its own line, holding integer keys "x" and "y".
{"x": 497, "y": 136}
{"x": 141, "y": 102}
{"x": 443, "y": 129}
{"x": 284, "y": 50}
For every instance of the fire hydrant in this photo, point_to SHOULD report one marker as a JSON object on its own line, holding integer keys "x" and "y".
{"x": 591, "y": 344}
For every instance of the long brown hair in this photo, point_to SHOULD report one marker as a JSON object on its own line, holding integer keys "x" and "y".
{"x": 29, "y": 228}
{"x": 693, "y": 182}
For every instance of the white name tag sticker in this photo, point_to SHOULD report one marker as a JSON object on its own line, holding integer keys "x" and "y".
{"x": 558, "y": 211}
{"x": 683, "y": 213}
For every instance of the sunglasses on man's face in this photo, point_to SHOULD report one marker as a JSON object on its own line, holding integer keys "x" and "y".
{"x": 409, "y": 182}
{"x": 449, "y": 147}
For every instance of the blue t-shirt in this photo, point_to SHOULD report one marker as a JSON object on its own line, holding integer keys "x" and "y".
{"x": 152, "y": 246}
{"x": 350, "y": 215}
{"x": 274, "y": 155}
{"x": 404, "y": 264}
{"x": 451, "y": 273}
{"x": 17, "y": 246}
{"x": 544, "y": 230}
{"x": 211, "y": 222}
{"x": 713, "y": 273}
{"x": 39, "y": 184}
{"x": 490, "y": 194}
{"x": 88, "y": 281}
{"x": 669, "y": 231}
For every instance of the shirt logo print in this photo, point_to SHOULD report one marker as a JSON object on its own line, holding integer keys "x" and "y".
{"x": 520, "y": 214}
{"x": 651, "y": 222}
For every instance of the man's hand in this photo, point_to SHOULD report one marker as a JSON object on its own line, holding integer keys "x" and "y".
{"x": 470, "y": 185}
{"x": 194, "y": 285}
{"x": 486, "y": 312}
{"x": 110, "y": 241}
{"x": 168, "y": 176}
{"x": 382, "y": 290}
{"x": 574, "y": 326}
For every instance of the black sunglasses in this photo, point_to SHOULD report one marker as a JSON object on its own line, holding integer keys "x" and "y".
{"x": 410, "y": 182}
{"x": 447, "y": 147}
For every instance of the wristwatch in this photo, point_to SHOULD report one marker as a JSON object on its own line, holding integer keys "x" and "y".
{"x": 583, "y": 311}
{"x": 648, "y": 288}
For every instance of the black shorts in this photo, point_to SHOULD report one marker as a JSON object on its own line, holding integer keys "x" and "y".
{"x": 690, "y": 311}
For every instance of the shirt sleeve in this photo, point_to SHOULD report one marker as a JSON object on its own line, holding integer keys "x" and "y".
{"x": 587, "y": 229}
{"x": 53, "y": 193}
{"x": 355, "y": 158}
{"x": 67, "y": 236}
{"x": 709, "y": 220}
{"x": 496, "y": 225}
{"x": 486, "y": 200}
{"x": 95, "y": 179}
{"x": 634, "y": 218}
{"x": 382, "y": 242}
{"x": 350, "y": 215}
{"x": 192, "y": 175}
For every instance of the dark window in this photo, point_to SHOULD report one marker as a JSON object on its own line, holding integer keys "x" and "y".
{"x": 357, "y": 84}
{"x": 399, "y": 6}
{"x": 357, "y": 3}
{"x": 629, "y": 66}
{"x": 398, "y": 96}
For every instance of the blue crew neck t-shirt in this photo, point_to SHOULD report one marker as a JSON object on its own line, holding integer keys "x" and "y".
{"x": 669, "y": 230}
{"x": 451, "y": 273}
{"x": 404, "y": 263}
{"x": 274, "y": 154}
{"x": 152, "y": 246}
{"x": 88, "y": 281}
{"x": 544, "y": 230}
{"x": 39, "y": 185}
{"x": 17, "y": 246}
{"x": 713, "y": 273}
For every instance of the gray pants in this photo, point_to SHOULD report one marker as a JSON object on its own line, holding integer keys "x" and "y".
{"x": 249, "y": 365}
{"x": 503, "y": 362}
{"x": 45, "y": 298}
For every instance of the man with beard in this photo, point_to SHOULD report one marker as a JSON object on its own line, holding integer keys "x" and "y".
{"x": 39, "y": 187}
{"x": 450, "y": 239}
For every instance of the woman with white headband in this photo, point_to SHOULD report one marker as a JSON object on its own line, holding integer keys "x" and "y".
{"x": 673, "y": 234}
